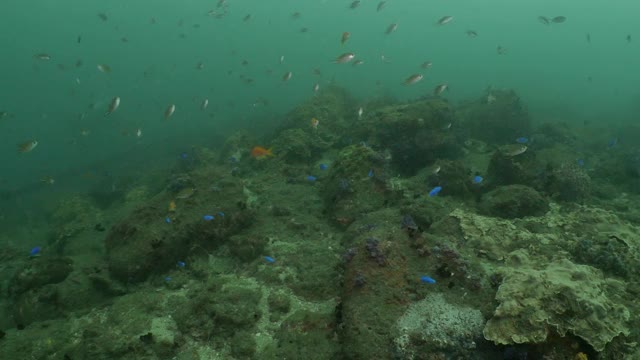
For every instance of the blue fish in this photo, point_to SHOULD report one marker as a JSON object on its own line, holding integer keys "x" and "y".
{"x": 182, "y": 264}
{"x": 208, "y": 217}
{"x": 269, "y": 259}
{"x": 580, "y": 162}
{"x": 311, "y": 178}
{"x": 35, "y": 251}
{"x": 184, "y": 155}
{"x": 323, "y": 167}
{"x": 167, "y": 278}
{"x": 220, "y": 213}
{"x": 477, "y": 179}
{"x": 435, "y": 191}
{"x": 613, "y": 142}
{"x": 167, "y": 220}
{"x": 427, "y": 280}
{"x": 371, "y": 173}
{"x": 522, "y": 140}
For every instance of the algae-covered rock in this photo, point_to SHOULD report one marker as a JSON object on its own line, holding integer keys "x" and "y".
{"x": 356, "y": 183}
{"x": 145, "y": 242}
{"x": 508, "y": 165}
{"x": 293, "y": 146}
{"x": 417, "y": 133}
{"x": 571, "y": 183}
{"x": 306, "y": 335}
{"x": 453, "y": 176}
{"x": 514, "y": 201}
{"x": 38, "y": 272}
{"x": 221, "y": 308}
{"x": 499, "y": 117}
{"x": 71, "y": 217}
{"x": 563, "y": 298}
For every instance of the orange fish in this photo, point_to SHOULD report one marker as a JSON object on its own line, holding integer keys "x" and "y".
{"x": 172, "y": 206}
{"x": 345, "y": 36}
{"x": 260, "y": 153}
{"x": 314, "y": 123}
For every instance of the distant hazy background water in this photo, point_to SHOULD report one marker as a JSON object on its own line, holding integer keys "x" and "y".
{"x": 547, "y": 65}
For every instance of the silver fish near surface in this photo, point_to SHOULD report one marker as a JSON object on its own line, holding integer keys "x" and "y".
{"x": 344, "y": 58}
{"x": 445, "y": 20}
{"x": 439, "y": 89}
{"x": 114, "y": 105}
{"x": 391, "y": 28}
{"x": 413, "y": 79}
{"x": 169, "y": 112}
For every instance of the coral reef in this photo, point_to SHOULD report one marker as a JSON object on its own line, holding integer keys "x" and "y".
{"x": 433, "y": 324}
{"x": 561, "y": 298}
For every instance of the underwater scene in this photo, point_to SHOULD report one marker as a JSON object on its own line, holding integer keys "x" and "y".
{"x": 326, "y": 179}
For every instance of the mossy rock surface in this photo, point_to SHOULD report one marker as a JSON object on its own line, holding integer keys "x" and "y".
{"x": 514, "y": 201}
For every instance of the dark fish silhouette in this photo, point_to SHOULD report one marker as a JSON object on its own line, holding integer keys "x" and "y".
{"x": 559, "y": 19}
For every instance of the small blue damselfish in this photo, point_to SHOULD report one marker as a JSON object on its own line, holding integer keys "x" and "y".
{"x": 311, "y": 178}
{"x": 269, "y": 259}
{"x": 208, "y": 217}
{"x": 35, "y": 251}
{"x": 435, "y": 191}
{"x": 477, "y": 179}
{"x": 427, "y": 280}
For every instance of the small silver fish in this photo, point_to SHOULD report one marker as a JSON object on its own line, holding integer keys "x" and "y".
{"x": 104, "y": 68}
{"x": 287, "y": 76}
{"x": 169, "y": 112}
{"x": 543, "y": 19}
{"x": 281, "y": 59}
{"x": 44, "y": 57}
{"x": 381, "y": 5}
{"x": 344, "y": 58}
{"x": 354, "y": 4}
{"x": 360, "y": 112}
{"x": 204, "y": 104}
{"x": 426, "y": 64}
{"x": 439, "y": 89}
{"x": 391, "y": 28}
{"x": 113, "y": 106}
{"x": 139, "y": 133}
{"x": 316, "y": 87}
{"x": 413, "y": 79}
{"x": 513, "y": 149}
{"x": 445, "y": 20}
{"x": 27, "y": 146}
{"x": 357, "y": 63}
{"x": 472, "y": 33}
{"x": 559, "y": 19}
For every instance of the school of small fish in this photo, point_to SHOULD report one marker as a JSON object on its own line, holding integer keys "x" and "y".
{"x": 347, "y": 39}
